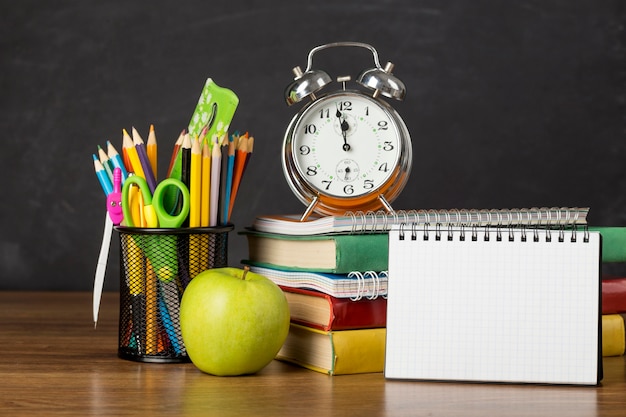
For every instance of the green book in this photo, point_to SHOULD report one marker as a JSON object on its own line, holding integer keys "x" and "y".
{"x": 613, "y": 243}
{"x": 336, "y": 253}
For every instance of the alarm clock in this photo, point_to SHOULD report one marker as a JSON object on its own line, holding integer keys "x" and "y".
{"x": 347, "y": 150}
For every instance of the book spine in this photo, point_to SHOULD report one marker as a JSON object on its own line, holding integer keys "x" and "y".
{"x": 613, "y": 295}
{"x": 613, "y": 243}
{"x": 348, "y": 314}
{"x": 361, "y": 253}
{"x": 358, "y": 351}
{"x": 344, "y": 314}
{"x": 613, "y": 335}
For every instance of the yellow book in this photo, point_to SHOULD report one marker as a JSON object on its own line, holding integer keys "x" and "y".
{"x": 613, "y": 334}
{"x": 339, "y": 352}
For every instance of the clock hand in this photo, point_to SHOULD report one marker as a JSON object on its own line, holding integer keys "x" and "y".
{"x": 344, "y": 130}
{"x": 347, "y": 171}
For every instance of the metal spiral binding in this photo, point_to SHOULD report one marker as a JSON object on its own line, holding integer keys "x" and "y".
{"x": 371, "y": 292}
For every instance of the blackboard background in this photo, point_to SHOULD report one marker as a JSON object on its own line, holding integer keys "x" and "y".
{"x": 509, "y": 104}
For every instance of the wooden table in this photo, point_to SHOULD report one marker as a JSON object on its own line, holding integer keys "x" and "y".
{"x": 54, "y": 363}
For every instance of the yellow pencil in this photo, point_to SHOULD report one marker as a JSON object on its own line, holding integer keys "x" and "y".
{"x": 132, "y": 155}
{"x": 195, "y": 184}
{"x": 152, "y": 330}
{"x": 206, "y": 185}
{"x": 151, "y": 149}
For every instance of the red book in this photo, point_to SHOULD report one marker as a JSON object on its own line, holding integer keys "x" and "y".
{"x": 613, "y": 294}
{"x": 325, "y": 312}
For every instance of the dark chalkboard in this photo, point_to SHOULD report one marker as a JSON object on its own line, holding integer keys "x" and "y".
{"x": 509, "y": 104}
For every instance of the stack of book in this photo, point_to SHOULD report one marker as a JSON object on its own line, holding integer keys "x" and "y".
{"x": 613, "y": 315}
{"x": 333, "y": 271}
{"x": 335, "y": 284}
{"x": 613, "y": 291}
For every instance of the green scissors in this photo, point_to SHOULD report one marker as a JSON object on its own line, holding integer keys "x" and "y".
{"x": 156, "y": 215}
{"x": 160, "y": 249}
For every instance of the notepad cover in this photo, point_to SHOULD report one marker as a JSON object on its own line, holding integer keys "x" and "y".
{"x": 494, "y": 310}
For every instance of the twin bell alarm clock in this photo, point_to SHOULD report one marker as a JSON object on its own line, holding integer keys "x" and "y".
{"x": 348, "y": 149}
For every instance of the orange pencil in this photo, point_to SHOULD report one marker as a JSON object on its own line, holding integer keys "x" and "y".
{"x": 240, "y": 164}
{"x": 151, "y": 149}
{"x": 177, "y": 146}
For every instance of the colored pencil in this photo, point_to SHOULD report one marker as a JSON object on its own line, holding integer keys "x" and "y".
{"x": 177, "y": 146}
{"x": 131, "y": 151}
{"x": 240, "y": 163}
{"x": 127, "y": 143}
{"x": 143, "y": 160}
{"x": 195, "y": 184}
{"x": 185, "y": 172}
{"x": 152, "y": 150}
{"x": 152, "y": 329}
{"x": 206, "y": 185}
{"x": 230, "y": 163}
{"x": 106, "y": 162}
{"x": 103, "y": 178}
{"x": 216, "y": 163}
{"x": 116, "y": 159}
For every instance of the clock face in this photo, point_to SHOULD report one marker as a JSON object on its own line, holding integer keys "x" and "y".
{"x": 346, "y": 145}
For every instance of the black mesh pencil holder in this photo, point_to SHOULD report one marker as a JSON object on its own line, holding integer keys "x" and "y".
{"x": 156, "y": 265}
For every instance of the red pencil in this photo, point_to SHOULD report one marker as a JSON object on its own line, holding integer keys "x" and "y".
{"x": 241, "y": 156}
{"x": 177, "y": 146}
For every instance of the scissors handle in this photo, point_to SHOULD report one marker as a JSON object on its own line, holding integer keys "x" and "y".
{"x": 165, "y": 219}
{"x": 151, "y": 219}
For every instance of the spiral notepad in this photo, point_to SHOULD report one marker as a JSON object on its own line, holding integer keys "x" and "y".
{"x": 494, "y": 305}
{"x": 372, "y": 222}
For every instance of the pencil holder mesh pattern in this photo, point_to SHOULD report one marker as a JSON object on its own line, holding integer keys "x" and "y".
{"x": 156, "y": 265}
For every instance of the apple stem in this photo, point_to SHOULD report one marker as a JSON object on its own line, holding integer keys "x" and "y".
{"x": 246, "y": 268}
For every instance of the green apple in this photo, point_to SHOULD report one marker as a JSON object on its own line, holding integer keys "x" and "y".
{"x": 233, "y": 321}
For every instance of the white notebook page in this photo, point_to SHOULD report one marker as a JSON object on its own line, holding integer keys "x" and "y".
{"x": 506, "y": 311}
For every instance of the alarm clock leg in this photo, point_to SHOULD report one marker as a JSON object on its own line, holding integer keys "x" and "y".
{"x": 309, "y": 209}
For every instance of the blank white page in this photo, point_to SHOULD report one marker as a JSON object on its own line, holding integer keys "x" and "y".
{"x": 489, "y": 310}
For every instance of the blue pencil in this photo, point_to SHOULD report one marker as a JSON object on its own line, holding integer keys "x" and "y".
{"x": 116, "y": 160}
{"x": 105, "y": 182}
{"x": 229, "y": 179}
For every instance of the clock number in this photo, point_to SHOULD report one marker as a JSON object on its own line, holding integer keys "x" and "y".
{"x": 310, "y": 129}
{"x": 367, "y": 110}
{"x": 368, "y": 184}
{"x": 324, "y": 114}
{"x": 327, "y": 184}
{"x": 383, "y": 167}
{"x": 388, "y": 146}
{"x": 345, "y": 106}
{"x": 311, "y": 171}
{"x": 348, "y": 189}
{"x": 382, "y": 125}
{"x": 305, "y": 150}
